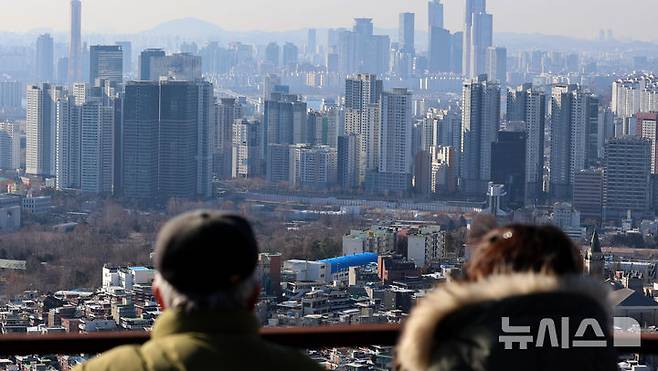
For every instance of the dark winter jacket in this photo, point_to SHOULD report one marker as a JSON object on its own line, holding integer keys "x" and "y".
{"x": 460, "y": 326}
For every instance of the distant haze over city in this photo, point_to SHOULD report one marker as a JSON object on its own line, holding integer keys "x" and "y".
{"x": 581, "y": 18}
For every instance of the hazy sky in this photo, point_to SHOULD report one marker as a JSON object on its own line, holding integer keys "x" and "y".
{"x": 580, "y": 18}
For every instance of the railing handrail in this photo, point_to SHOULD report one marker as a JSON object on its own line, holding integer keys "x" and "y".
{"x": 297, "y": 337}
{"x": 348, "y": 336}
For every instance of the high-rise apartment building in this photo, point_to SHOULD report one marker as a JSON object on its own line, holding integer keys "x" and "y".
{"x": 527, "y": 106}
{"x": 646, "y": 128}
{"x": 75, "y": 43}
{"x": 247, "y": 153}
{"x": 227, "y": 111}
{"x": 574, "y": 136}
{"x": 10, "y": 146}
{"x": 97, "y": 147}
{"x": 40, "y": 128}
{"x": 284, "y": 120}
{"x": 45, "y": 59}
{"x": 627, "y": 182}
{"x": 312, "y": 167}
{"x": 362, "y": 118}
{"x": 68, "y": 155}
{"x": 395, "y": 158}
{"x": 480, "y": 123}
{"x": 106, "y": 63}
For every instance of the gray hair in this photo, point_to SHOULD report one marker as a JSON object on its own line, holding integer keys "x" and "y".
{"x": 233, "y": 299}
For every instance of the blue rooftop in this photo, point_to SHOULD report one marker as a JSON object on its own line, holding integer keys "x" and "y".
{"x": 342, "y": 263}
{"x": 139, "y": 268}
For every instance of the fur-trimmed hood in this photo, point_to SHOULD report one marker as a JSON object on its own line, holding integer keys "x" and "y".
{"x": 416, "y": 344}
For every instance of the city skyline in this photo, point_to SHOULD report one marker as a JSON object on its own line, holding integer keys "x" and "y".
{"x": 578, "y": 22}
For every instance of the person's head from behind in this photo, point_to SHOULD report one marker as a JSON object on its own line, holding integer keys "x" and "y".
{"x": 206, "y": 260}
{"x": 523, "y": 249}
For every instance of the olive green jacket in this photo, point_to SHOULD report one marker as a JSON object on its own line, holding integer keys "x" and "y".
{"x": 202, "y": 341}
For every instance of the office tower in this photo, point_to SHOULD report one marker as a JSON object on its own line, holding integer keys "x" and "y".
{"x": 40, "y": 128}
{"x": 588, "y": 195}
{"x": 186, "y": 124}
{"x": 246, "y": 156}
{"x": 204, "y": 107}
{"x": 227, "y": 111}
{"x": 106, "y": 63}
{"x": 527, "y": 106}
{"x": 478, "y": 36}
{"x": 335, "y": 120}
{"x": 627, "y": 183}
{"x": 395, "y": 158}
{"x": 574, "y": 136}
{"x": 272, "y": 54}
{"x": 439, "y": 52}
{"x": 10, "y": 94}
{"x": 145, "y": 58}
{"x": 480, "y": 123}
{"x": 362, "y": 97}
{"x": 360, "y": 51}
{"x": 435, "y": 14}
{"x": 44, "y": 59}
{"x": 508, "y": 166}
{"x": 311, "y": 42}
{"x": 646, "y": 128}
{"x": 348, "y": 162}
{"x": 439, "y": 42}
{"x": 407, "y": 33}
{"x": 181, "y": 67}
{"x": 140, "y": 140}
{"x": 422, "y": 173}
{"x": 10, "y": 146}
{"x": 290, "y": 54}
{"x": 481, "y": 40}
{"x": 496, "y": 64}
{"x": 457, "y": 52}
{"x": 270, "y": 82}
{"x": 127, "y": 48}
{"x": 68, "y": 143}
{"x": 62, "y": 70}
{"x": 75, "y": 43}
{"x": 278, "y": 163}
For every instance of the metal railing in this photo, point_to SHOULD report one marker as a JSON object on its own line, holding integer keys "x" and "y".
{"x": 350, "y": 336}
{"x": 297, "y": 337}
